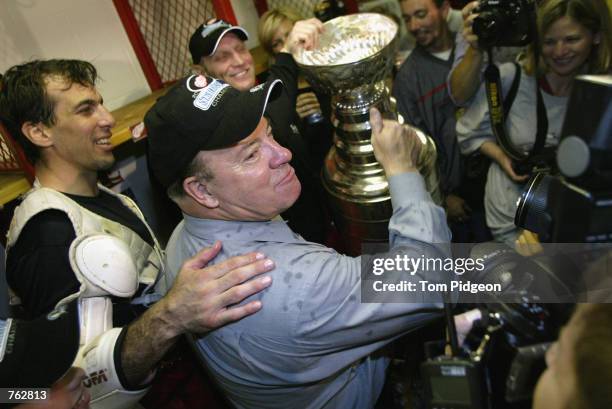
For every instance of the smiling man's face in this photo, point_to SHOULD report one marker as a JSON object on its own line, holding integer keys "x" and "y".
{"x": 232, "y": 62}
{"x": 426, "y": 22}
{"x": 80, "y": 137}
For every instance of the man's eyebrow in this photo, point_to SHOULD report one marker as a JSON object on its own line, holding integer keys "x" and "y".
{"x": 246, "y": 146}
{"x": 89, "y": 101}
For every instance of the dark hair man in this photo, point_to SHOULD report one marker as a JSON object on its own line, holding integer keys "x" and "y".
{"x": 73, "y": 239}
{"x": 314, "y": 344}
{"x": 423, "y": 101}
{"x": 218, "y": 49}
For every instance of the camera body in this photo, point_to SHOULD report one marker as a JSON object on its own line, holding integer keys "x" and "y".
{"x": 501, "y": 360}
{"x": 455, "y": 383}
{"x": 573, "y": 202}
{"x": 504, "y": 23}
{"x": 544, "y": 163}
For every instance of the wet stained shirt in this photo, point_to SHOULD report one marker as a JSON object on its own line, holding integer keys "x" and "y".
{"x": 313, "y": 344}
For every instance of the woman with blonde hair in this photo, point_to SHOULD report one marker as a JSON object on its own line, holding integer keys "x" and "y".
{"x": 274, "y": 27}
{"x": 573, "y": 39}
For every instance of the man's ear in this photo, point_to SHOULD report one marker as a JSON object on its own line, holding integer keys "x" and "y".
{"x": 198, "y": 69}
{"x": 37, "y": 133}
{"x": 197, "y": 189}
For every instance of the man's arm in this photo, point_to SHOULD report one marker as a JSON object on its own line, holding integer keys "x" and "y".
{"x": 333, "y": 308}
{"x": 37, "y": 265}
{"x": 465, "y": 76}
{"x": 198, "y": 302}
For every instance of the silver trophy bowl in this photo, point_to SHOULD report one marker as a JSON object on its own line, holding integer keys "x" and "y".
{"x": 353, "y": 50}
{"x": 352, "y": 63}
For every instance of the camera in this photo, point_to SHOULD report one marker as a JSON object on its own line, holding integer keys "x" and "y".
{"x": 503, "y": 356}
{"x": 326, "y": 10}
{"x": 573, "y": 203}
{"x": 504, "y": 23}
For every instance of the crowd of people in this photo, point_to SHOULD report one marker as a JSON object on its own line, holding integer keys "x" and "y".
{"x": 275, "y": 312}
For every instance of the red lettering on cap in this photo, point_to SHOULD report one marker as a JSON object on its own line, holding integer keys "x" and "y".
{"x": 200, "y": 81}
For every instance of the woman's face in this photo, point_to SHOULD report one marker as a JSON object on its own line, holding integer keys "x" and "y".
{"x": 566, "y": 46}
{"x": 280, "y": 36}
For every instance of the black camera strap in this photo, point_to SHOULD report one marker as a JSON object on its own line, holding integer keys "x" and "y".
{"x": 499, "y": 109}
{"x": 538, "y": 146}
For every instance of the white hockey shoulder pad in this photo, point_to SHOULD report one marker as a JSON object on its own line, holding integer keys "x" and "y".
{"x": 105, "y": 264}
{"x": 99, "y": 360}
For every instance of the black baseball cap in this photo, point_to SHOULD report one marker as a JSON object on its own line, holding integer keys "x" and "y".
{"x": 201, "y": 113}
{"x": 205, "y": 39}
{"x": 36, "y": 353}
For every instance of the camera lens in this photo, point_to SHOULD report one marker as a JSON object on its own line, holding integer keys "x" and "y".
{"x": 532, "y": 206}
{"x": 504, "y": 23}
{"x": 488, "y": 27}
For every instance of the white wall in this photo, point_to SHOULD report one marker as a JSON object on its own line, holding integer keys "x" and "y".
{"x": 82, "y": 29}
{"x": 247, "y": 17}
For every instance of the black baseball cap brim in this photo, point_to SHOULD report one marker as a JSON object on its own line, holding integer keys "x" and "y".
{"x": 189, "y": 119}
{"x": 39, "y": 352}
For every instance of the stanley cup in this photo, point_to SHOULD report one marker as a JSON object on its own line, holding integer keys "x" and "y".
{"x": 354, "y": 57}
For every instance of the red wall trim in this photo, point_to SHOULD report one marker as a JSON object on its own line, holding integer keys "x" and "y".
{"x": 224, "y": 11}
{"x": 351, "y": 6}
{"x": 261, "y": 6}
{"x": 20, "y": 157}
{"x": 138, "y": 43}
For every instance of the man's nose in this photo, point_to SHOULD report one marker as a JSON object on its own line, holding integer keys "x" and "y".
{"x": 414, "y": 25}
{"x": 237, "y": 59}
{"x": 280, "y": 156}
{"x": 106, "y": 118}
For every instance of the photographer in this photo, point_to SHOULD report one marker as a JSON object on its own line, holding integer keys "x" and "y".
{"x": 579, "y": 363}
{"x": 574, "y": 38}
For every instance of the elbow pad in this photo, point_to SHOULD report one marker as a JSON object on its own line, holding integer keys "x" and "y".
{"x": 101, "y": 361}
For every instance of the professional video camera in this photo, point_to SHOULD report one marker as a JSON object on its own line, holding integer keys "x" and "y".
{"x": 504, "y": 23}
{"x": 574, "y": 204}
{"x": 501, "y": 360}
{"x": 498, "y": 365}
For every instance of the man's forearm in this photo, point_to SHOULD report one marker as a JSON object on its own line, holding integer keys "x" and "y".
{"x": 465, "y": 78}
{"x": 286, "y": 70}
{"x": 147, "y": 340}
